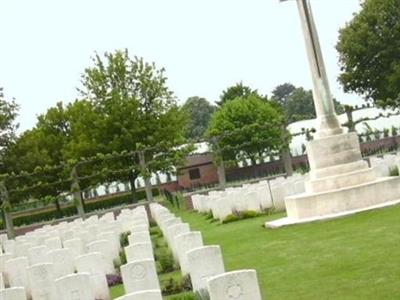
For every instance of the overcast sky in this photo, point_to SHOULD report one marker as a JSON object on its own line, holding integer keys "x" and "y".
{"x": 205, "y": 45}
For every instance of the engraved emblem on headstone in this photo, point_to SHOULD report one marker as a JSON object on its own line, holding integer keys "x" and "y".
{"x": 234, "y": 291}
{"x": 41, "y": 273}
{"x": 138, "y": 272}
{"x": 75, "y": 295}
{"x": 44, "y": 296}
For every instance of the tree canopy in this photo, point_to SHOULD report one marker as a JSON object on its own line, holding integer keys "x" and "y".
{"x": 8, "y": 125}
{"x": 369, "y": 53}
{"x": 126, "y": 107}
{"x": 238, "y": 90}
{"x": 135, "y": 110}
{"x": 199, "y": 112}
{"x": 297, "y": 102}
{"x": 247, "y": 127}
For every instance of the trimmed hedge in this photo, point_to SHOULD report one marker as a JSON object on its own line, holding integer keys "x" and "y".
{"x": 71, "y": 210}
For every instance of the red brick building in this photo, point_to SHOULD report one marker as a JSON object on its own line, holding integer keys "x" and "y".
{"x": 199, "y": 170}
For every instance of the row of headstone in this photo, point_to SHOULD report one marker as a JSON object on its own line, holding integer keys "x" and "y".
{"x": 257, "y": 197}
{"x": 76, "y": 255}
{"x": 139, "y": 274}
{"x": 204, "y": 264}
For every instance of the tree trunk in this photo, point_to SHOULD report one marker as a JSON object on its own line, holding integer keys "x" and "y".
{"x": 9, "y": 224}
{"x": 147, "y": 182}
{"x": 221, "y": 174}
{"x": 58, "y": 207}
{"x": 132, "y": 179}
{"x": 287, "y": 161}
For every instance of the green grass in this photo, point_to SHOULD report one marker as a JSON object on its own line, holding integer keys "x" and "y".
{"x": 357, "y": 257}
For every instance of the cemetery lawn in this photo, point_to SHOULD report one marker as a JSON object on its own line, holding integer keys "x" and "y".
{"x": 357, "y": 257}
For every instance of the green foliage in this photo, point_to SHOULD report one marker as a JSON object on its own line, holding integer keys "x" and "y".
{"x": 8, "y": 126}
{"x": 202, "y": 294}
{"x": 156, "y": 231}
{"x": 394, "y": 131}
{"x": 368, "y": 49}
{"x": 178, "y": 285}
{"x": 171, "y": 286}
{"x": 186, "y": 296}
{"x": 236, "y": 91}
{"x": 164, "y": 259}
{"x": 247, "y": 128}
{"x": 122, "y": 259}
{"x": 247, "y": 245}
{"x": 298, "y": 103}
{"x": 249, "y": 214}
{"x": 68, "y": 211}
{"x": 127, "y": 107}
{"x": 199, "y": 112}
{"x": 136, "y": 110}
{"x": 237, "y": 216}
{"x": 123, "y": 239}
{"x": 231, "y": 218}
{"x": 394, "y": 171}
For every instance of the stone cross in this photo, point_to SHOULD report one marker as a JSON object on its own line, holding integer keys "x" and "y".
{"x": 328, "y": 123}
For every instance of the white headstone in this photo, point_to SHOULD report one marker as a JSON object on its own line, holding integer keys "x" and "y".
{"x": 62, "y": 262}
{"x": 184, "y": 243}
{"x": 139, "y": 237}
{"x": 9, "y": 247}
{"x": 204, "y": 262}
{"x": 2, "y": 285}
{"x": 139, "y": 228}
{"x": 16, "y": 273}
{"x": 75, "y": 287}
{"x": 144, "y": 295}
{"x": 41, "y": 281}
{"x": 21, "y": 248}
{"x": 112, "y": 238}
{"x": 38, "y": 255}
{"x": 98, "y": 283}
{"x": 172, "y": 232}
{"x": 53, "y": 243}
{"x": 139, "y": 251}
{"x": 15, "y": 293}
{"x": 107, "y": 251}
{"x": 240, "y": 285}
{"x": 75, "y": 246}
{"x": 140, "y": 276}
{"x": 91, "y": 263}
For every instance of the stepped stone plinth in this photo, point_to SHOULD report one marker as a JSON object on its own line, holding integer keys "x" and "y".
{"x": 340, "y": 183}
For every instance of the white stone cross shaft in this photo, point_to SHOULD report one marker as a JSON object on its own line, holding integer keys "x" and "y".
{"x": 328, "y": 123}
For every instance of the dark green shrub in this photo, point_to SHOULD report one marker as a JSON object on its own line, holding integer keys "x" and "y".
{"x": 156, "y": 231}
{"x": 202, "y": 295}
{"x": 68, "y": 211}
{"x": 230, "y": 218}
{"x": 209, "y": 216}
{"x": 171, "y": 286}
{"x": 152, "y": 223}
{"x": 122, "y": 258}
{"x": 187, "y": 296}
{"x": 236, "y": 216}
{"x": 165, "y": 260}
{"x": 249, "y": 214}
{"x": 394, "y": 171}
{"x": 123, "y": 239}
{"x": 186, "y": 283}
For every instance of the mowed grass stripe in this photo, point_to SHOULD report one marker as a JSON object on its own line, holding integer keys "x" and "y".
{"x": 357, "y": 257}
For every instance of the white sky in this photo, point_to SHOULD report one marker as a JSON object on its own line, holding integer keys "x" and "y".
{"x": 205, "y": 45}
